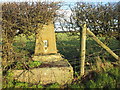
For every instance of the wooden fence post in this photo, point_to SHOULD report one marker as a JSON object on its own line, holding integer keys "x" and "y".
{"x": 103, "y": 45}
{"x": 83, "y": 50}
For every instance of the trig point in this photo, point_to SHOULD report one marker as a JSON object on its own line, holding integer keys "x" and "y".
{"x": 45, "y": 41}
{"x": 55, "y": 69}
{"x": 45, "y": 48}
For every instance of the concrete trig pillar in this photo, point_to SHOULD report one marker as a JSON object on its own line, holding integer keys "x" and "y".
{"x": 45, "y": 48}
{"x": 55, "y": 68}
{"x": 45, "y": 40}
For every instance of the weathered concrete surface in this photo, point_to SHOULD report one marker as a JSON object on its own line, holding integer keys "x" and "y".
{"x": 62, "y": 74}
{"x": 48, "y": 58}
{"x": 45, "y": 34}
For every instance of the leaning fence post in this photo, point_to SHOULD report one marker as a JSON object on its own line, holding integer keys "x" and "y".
{"x": 83, "y": 50}
{"x": 103, "y": 45}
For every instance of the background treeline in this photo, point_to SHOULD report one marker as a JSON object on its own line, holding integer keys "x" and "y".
{"x": 102, "y": 18}
{"x": 26, "y": 17}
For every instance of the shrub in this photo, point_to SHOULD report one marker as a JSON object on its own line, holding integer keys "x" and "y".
{"x": 21, "y": 85}
{"x": 55, "y": 85}
{"x": 108, "y": 79}
{"x": 76, "y": 86}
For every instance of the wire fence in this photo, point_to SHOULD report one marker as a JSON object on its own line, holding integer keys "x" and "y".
{"x": 19, "y": 54}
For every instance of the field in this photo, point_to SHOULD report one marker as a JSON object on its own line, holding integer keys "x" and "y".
{"x": 101, "y": 69}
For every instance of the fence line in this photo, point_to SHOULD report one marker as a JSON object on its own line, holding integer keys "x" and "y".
{"x": 102, "y": 45}
{"x": 83, "y": 46}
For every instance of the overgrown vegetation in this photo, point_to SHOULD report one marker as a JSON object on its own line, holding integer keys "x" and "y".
{"x": 22, "y": 18}
{"x": 95, "y": 79}
{"x": 101, "y": 18}
{"x": 20, "y": 28}
{"x": 101, "y": 69}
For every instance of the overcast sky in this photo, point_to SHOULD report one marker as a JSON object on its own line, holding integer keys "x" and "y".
{"x": 65, "y": 0}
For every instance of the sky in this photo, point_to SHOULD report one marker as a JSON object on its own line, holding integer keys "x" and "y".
{"x": 63, "y": 0}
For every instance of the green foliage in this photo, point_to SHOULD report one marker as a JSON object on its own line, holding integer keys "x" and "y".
{"x": 8, "y": 80}
{"x": 39, "y": 86}
{"x": 76, "y": 86}
{"x": 114, "y": 72}
{"x": 21, "y": 85}
{"x": 19, "y": 66}
{"x": 64, "y": 43}
{"x": 105, "y": 81}
{"x": 23, "y": 43}
{"x": 55, "y": 85}
{"x": 30, "y": 64}
{"x": 69, "y": 47}
{"x": 91, "y": 84}
{"x": 108, "y": 79}
{"x": 34, "y": 64}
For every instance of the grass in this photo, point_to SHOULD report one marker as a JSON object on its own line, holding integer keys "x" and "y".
{"x": 108, "y": 79}
{"x": 95, "y": 79}
{"x": 24, "y": 44}
{"x": 69, "y": 47}
{"x": 29, "y": 65}
{"x": 97, "y": 60}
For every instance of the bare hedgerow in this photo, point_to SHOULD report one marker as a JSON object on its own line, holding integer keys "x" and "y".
{"x": 23, "y": 18}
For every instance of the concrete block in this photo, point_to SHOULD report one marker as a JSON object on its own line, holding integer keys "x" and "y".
{"x": 48, "y": 58}
{"x": 60, "y": 72}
